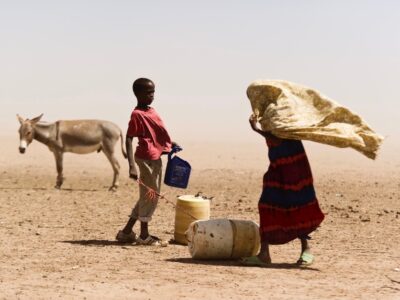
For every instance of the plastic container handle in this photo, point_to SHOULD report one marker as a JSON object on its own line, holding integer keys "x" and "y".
{"x": 174, "y": 150}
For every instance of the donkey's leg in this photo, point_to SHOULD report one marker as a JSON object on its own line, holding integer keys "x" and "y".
{"x": 59, "y": 164}
{"x": 115, "y": 165}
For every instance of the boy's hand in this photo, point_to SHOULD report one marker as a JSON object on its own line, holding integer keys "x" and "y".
{"x": 133, "y": 173}
{"x": 175, "y": 144}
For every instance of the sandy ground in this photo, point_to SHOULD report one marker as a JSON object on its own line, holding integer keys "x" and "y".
{"x": 60, "y": 243}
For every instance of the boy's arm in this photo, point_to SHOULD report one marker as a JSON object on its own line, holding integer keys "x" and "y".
{"x": 132, "y": 167}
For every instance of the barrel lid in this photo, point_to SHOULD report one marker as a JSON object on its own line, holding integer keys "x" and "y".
{"x": 192, "y": 198}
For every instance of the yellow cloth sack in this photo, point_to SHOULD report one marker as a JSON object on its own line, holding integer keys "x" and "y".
{"x": 292, "y": 111}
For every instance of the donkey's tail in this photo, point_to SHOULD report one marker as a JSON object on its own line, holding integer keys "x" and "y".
{"x": 122, "y": 145}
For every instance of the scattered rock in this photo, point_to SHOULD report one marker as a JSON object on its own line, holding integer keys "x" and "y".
{"x": 365, "y": 219}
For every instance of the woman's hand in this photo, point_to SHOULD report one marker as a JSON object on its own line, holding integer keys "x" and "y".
{"x": 253, "y": 121}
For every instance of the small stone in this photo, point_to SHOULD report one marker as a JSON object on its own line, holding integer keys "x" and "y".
{"x": 365, "y": 219}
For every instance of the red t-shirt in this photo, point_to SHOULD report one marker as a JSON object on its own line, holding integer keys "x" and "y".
{"x": 150, "y": 129}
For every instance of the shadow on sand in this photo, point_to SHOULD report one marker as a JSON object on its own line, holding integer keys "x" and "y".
{"x": 24, "y": 188}
{"x": 237, "y": 263}
{"x": 79, "y": 190}
{"x": 48, "y": 189}
{"x": 99, "y": 243}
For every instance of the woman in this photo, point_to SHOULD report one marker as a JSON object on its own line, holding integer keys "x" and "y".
{"x": 288, "y": 206}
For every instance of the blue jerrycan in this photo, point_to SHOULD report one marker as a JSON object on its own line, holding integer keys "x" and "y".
{"x": 178, "y": 170}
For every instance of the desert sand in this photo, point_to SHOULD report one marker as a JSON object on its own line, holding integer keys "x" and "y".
{"x": 61, "y": 243}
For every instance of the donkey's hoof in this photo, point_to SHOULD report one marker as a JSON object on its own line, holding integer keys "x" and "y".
{"x": 58, "y": 187}
{"x": 113, "y": 188}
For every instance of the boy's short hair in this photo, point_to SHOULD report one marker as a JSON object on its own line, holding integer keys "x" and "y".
{"x": 139, "y": 84}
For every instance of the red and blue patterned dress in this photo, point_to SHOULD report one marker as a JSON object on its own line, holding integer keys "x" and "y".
{"x": 288, "y": 205}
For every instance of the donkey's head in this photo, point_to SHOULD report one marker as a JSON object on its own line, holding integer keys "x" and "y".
{"x": 26, "y": 131}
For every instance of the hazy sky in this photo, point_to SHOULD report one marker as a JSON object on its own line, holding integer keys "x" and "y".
{"x": 77, "y": 59}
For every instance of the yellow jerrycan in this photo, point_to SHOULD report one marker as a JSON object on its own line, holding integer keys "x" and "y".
{"x": 189, "y": 208}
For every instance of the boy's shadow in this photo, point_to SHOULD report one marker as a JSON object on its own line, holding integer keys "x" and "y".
{"x": 99, "y": 243}
{"x": 237, "y": 263}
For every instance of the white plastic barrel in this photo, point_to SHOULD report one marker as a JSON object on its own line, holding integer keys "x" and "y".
{"x": 223, "y": 239}
{"x": 189, "y": 209}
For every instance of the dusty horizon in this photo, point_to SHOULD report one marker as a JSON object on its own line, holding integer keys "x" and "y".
{"x": 79, "y": 61}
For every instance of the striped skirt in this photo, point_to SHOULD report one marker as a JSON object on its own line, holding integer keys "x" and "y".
{"x": 288, "y": 205}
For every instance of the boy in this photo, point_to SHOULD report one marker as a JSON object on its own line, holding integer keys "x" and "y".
{"x": 154, "y": 140}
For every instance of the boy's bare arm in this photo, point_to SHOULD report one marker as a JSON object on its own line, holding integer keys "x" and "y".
{"x": 129, "y": 151}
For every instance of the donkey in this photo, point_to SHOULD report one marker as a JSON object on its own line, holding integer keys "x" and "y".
{"x": 76, "y": 136}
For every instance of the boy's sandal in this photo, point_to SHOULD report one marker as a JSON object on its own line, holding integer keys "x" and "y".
{"x": 151, "y": 241}
{"x": 123, "y": 237}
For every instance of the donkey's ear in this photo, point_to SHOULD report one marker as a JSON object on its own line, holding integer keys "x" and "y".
{"x": 20, "y": 119}
{"x": 37, "y": 119}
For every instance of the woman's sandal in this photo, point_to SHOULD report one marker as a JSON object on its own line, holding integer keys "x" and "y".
{"x": 151, "y": 241}
{"x": 305, "y": 259}
{"x": 254, "y": 261}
